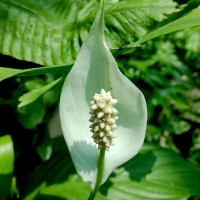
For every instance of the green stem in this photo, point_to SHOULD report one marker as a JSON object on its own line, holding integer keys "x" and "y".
{"x": 99, "y": 176}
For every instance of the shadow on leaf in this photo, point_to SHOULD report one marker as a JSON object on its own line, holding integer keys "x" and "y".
{"x": 137, "y": 168}
{"x": 5, "y": 182}
{"x": 89, "y": 151}
{"x": 54, "y": 171}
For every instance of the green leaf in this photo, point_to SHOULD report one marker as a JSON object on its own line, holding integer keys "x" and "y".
{"x": 58, "y": 171}
{"x": 9, "y": 72}
{"x": 45, "y": 148}
{"x": 189, "y": 40}
{"x": 96, "y": 68}
{"x": 126, "y": 21}
{"x": 154, "y": 174}
{"x": 32, "y": 106}
{"x": 189, "y": 20}
{"x": 157, "y": 173}
{"x": 6, "y": 166}
{"x": 36, "y": 93}
{"x": 32, "y": 114}
{"x": 51, "y": 32}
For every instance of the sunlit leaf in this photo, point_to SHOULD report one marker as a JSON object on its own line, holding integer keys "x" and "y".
{"x": 6, "y": 165}
{"x": 51, "y": 32}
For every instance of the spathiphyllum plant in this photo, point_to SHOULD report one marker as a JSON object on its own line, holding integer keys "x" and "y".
{"x": 103, "y": 114}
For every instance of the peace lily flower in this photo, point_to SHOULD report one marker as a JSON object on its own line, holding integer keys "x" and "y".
{"x": 103, "y": 118}
{"x": 96, "y": 78}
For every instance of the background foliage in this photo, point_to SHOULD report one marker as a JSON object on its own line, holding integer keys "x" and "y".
{"x": 39, "y": 42}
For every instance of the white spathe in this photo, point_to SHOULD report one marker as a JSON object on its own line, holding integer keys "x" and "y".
{"x": 94, "y": 69}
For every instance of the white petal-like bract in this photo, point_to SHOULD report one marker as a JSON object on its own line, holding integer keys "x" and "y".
{"x": 94, "y": 69}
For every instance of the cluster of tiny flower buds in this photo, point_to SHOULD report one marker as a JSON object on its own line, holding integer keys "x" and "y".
{"x": 103, "y": 119}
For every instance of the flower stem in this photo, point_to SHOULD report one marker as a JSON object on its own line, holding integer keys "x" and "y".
{"x": 99, "y": 176}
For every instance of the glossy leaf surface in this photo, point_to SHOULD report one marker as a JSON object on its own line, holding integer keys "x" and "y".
{"x": 6, "y": 165}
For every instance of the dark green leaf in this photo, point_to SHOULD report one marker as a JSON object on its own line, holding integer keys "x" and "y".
{"x": 45, "y": 148}
{"x": 32, "y": 114}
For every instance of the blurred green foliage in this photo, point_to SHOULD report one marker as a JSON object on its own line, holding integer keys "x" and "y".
{"x": 167, "y": 71}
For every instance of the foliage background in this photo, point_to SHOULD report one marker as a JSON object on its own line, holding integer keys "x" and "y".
{"x": 166, "y": 69}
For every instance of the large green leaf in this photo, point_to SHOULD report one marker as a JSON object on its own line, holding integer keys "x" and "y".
{"x": 154, "y": 174}
{"x": 189, "y": 20}
{"x": 51, "y": 32}
{"x": 6, "y": 165}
